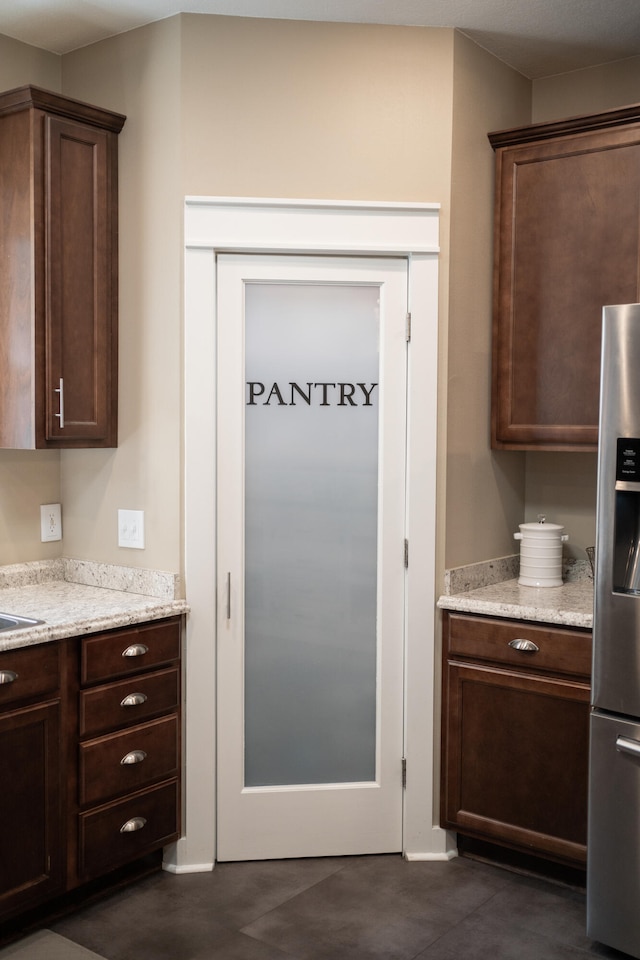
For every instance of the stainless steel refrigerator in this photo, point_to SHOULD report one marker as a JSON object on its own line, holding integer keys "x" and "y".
{"x": 613, "y": 857}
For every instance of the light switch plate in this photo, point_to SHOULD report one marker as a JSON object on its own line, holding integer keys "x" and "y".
{"x": 131, "y": 529}
{"x": 50, "y": 522}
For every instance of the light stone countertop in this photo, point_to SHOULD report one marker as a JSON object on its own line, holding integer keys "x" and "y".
{"x": 469, "y": 592}
{"x": 71, "y": 608}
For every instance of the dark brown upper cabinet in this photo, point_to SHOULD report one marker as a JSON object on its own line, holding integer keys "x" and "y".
{"x": 58, "y": 271}
{"x": 567, "y": 243}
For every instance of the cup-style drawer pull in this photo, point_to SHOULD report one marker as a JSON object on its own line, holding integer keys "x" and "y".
{"x": 136, "y": 823}
{"x": 136, "y": 756}
{"x": 8, "y": 676}
{"x": 526, "y": 646}
{"x": 133, "y": 700}
{"x": 135, "y": 650}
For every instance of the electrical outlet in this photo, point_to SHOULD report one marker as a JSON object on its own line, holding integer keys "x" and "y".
{"x": 131, "y": 529}
{"x": 50, "y": 522}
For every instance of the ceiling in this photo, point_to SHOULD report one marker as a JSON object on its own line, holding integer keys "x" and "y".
{"x": 538, "y": 38}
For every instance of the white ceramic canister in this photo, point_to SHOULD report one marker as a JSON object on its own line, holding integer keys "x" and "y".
{"x": 541, "y": 553}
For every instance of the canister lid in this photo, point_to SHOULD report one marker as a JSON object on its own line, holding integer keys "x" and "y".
{"x": 541, "y": 528}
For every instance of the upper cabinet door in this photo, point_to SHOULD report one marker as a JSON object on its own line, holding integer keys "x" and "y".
{"x": 79, "y": 314}
{"x": 58, "y": 271}
{"x": 567, "y": 243}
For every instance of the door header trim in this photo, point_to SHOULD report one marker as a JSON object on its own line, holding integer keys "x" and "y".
{"x": 248, "y": 225}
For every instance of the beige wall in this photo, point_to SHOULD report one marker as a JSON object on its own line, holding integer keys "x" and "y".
{"x": 212, "y": 110}
{"x": 375, "y": 126}
{"x": 21, "y": 64}
{"x": 587, "y": 91}
{"x": 562, "y": 486}
{"x": 485, "y": 490}
{"x": 138, "y": 74}
{"x": 325, "y": 110}
{"x": 220, "y": 105}
{"x": 27, "y": 478}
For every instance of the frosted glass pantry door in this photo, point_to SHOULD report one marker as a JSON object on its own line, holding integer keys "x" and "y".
{"x": 312, "y": 400}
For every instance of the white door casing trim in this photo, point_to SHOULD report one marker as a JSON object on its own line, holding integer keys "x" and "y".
{"x": 214, "y": 225}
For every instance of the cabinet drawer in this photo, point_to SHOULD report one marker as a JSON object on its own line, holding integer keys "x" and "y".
{"x": 119, "y": 832}
{"x": 555, "y": 649}
{"x": 111, "y": 655}
{"x": 125, "y": 762}
{"x": 29, "y": 672}
{"x": 115, "y": 705}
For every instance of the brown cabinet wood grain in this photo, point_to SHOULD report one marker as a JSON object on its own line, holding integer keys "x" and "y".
{"x": 32, "y": 794}
{"x": 567, "y": 243}
{"x": 58, "y": 271}
{"x": 122, "y": 652}
{"x": 30, "y": 672}
{"x": 89, "y": 785}
{"x": 128, "y": 761}
{"x": 129, "y": 748}
{"x": 116, "y": 833}
{"x": 515, "y": 736}
{"x": 113, "y": 705}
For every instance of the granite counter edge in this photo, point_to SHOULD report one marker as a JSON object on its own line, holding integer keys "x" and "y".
{"x": 513, "y": 611}
{"x": 47, "y": 633}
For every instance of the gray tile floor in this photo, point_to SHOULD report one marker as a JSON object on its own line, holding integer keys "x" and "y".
{"x": 355, "y": 908}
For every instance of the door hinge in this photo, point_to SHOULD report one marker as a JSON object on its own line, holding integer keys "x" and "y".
{"x": 406, "y": 553}
{"x": 404, "y": 772}
{"x": 408, "y": 333}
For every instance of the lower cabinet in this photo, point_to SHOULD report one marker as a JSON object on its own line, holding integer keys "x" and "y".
{"x": 32, "y": 855}
{"x": 31, "y": 796}
{"x": 129, "y": 743}
{"x": 90, "y": 750}
{"x": 515, "y": 731}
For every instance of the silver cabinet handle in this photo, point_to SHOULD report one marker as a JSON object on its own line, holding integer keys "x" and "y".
{"x": 526, "y": 646}
{"x": 133, "y": 700}
{"x": 136, "y": 756}
{"x": 625, "y": 745}
{"x": 228, "y": 596}
{"x": 8, "y": 676}
{"x": 135, "y": 650}
{"x": 136, "y": 823}
{"x": 60, "y": 415}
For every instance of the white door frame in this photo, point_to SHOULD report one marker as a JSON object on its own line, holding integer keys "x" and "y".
{"x": 245, "y": 225}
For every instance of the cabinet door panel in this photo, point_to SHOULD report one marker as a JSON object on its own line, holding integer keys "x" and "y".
{"x": 32, "y": 850}
{"x": 516, "y": 757}
{"x": 567, "y": 243}
{"x": 78, "y": 281}
{"x": 58, "y": 271}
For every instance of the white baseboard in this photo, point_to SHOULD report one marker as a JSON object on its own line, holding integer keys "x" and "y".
{"x": 187, "y": 867}
{"x": 447, "y": 855}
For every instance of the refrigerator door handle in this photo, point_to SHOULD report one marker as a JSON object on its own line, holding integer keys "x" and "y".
{"x": 625, "y": 745}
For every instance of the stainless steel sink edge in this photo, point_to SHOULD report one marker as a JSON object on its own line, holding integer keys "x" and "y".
{"x": 11, "y": 621}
